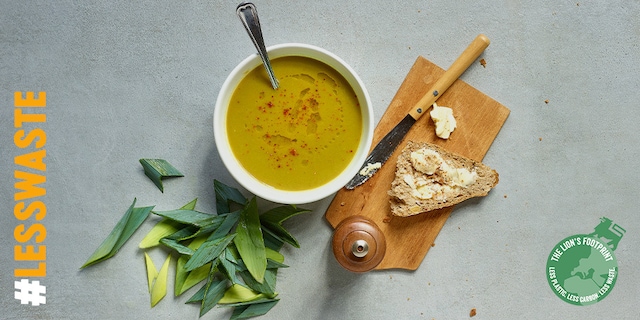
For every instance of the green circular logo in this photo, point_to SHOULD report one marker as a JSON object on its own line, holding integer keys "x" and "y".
{"x": 582, "y": 270}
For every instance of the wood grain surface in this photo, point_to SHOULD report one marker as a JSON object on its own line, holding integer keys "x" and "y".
{"x": 479, "y": 119}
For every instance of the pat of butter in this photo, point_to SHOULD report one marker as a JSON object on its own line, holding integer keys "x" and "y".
{"x": 441, "y": 180}
{"x": 419, "y": 188}
{"x": 462, "y": 177}
{"x": 423, "y": 190}
{"x": 443, "y": 119}
{"x": 426, "y": 161}
{"x": 370, "y": 169}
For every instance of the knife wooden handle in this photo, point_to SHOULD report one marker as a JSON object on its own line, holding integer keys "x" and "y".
{"x": 468, "y": 56}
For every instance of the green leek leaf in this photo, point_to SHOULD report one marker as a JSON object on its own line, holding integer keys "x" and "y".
{"x": 212, "y": 295}
{"x": 268, "y": 286}
{"x": 225, "y": 195}
{"x": 252, "y": 310}
{"x": 163, "y": 228}
{"x": 272, "y": 241}
{"x": 241, "y": 266}
{"x": 247, "y": 303}
{"x": 192, "y": 217}
{"x": 191, "y": 205}
{"x": 157, "y": 169}
{"x": 187, "y": 279}
{"x": 128, "y": 224}
{"x": 175, "y": 245}
{"x": 271, "y": 264}
{"x": 186, "y": 233}
{"x": 225, "y": 227}
{"x": 274, "y": 255}
{"x": 208, "y": 251}
{"x": 214, "y": 291}
{"x": 273, "y": 219}
{"x": 232, "y": 255}
{"x": 198, "y": 296}
{"x": 236, "y": 253}
{"x": 239, "y": 293}
{"x": 190, "y": 278}
{"x": 228, "y": 268}
{"x": 209, "y": 229}
{"x": 249, "y": 241}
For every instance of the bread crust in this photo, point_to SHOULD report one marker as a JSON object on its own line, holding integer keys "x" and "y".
{"x": 405, "y": 203}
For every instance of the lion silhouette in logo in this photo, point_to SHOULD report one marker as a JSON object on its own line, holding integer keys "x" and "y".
{"x": 608, "y": 232}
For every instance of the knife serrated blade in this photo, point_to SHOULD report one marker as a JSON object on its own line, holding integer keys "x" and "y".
{"x": 383, "y": 150}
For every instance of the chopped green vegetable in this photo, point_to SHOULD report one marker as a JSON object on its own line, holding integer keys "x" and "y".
{"x": 240, "y": 265}
{"x": 187, "y": 279}
{"x": 164, "y": 228}
{"x": 186, "y": 233}
{"x": 249, "y": 241}
{"x": 157, "y": 169}
{"x": 235, "y": 253}
{"x": 152, "y": 272}
{"x": 225, "y": 227}
{"x": 239, "y": 293}
{"x": 213, "y": 293}
{"x": 228, "y": 268}
{"x": 268, "y": 286}
{"x": 192, "y": 217}
{"x": 159, "y": 289}
{"x": 225, "y": 195}
{"x": 271, "y": 241}
{"x": 274, "y": 255}
{"x": 191, "y": 205}
{"x": 208, "y": 251}
{"x": 271, "y": 264}
{"x": 128, "y": 224}
{"x": 246, "y": 303}
{"x": 272, "y": 220}
{"x": 175, "y": 245}
{"x": 252, "y": 310}
{"x": 198, "y": 296}
{"x": 157, "y": 279}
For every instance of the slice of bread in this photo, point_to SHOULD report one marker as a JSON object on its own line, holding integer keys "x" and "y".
{"x": 429, "y": 178}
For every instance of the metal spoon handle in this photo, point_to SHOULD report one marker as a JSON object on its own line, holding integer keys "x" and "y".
{"x": 249, "y": 17}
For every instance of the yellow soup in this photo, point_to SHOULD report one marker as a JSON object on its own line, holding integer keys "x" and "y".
{"x": 303, "y": 134}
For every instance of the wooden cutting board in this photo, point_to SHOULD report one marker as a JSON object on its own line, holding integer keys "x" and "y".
{"x": 479, "y": 119}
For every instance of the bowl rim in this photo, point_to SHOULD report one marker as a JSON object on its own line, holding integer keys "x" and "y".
{"x": 261, "y": 189}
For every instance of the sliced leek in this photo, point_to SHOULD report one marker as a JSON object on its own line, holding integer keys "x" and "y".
{"x": 158, "y": 169}
{"x": 249, "y": 241}
{"x": 152, "y": 272}
{"x": 235, "y": 253}
{"x": 239, "y": 293}
{"x": 164, "y": 228}
{"x": 128, "y": 224}
{"x": 159, "y": 288}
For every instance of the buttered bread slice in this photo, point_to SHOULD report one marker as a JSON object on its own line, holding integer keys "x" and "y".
{"x": 429, "y": 178}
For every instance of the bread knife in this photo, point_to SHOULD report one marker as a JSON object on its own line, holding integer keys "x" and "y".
{"x": 383, "y": 150}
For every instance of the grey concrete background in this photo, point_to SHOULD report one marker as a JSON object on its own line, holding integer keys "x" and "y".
{"x": 133, "y": 79}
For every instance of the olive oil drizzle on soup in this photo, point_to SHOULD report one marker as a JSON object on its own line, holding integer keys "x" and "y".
{"x": 301, "y": 135}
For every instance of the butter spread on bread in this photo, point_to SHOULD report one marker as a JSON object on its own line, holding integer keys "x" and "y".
{"x": 428, "y": 178}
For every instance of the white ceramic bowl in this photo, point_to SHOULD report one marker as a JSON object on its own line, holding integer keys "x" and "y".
{"x": 259, "y": 188}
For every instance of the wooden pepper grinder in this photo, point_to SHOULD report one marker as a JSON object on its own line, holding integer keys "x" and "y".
{"x": 358, "y": 244}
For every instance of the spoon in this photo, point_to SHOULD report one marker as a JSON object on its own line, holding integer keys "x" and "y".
{"x": 249, "y": 17}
